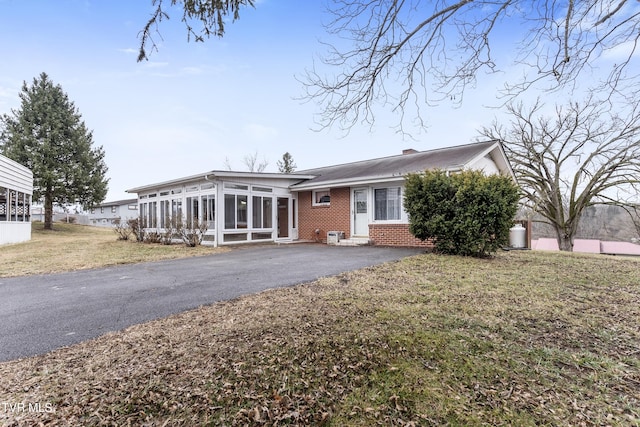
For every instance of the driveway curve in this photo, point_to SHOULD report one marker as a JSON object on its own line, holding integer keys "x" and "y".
{"x": 41, "y": 313}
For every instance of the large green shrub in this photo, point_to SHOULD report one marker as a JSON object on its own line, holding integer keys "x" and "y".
{"x": 466, "y": 213}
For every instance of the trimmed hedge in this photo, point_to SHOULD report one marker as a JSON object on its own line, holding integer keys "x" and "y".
{"x": 466, "y": 213}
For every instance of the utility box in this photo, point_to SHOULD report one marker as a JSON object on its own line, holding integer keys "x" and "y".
{"x": 333, "y": 237}
{"x": 517, "y": 237}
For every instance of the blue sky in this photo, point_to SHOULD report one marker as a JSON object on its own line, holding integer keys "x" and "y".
{"x": 192, "y": 105}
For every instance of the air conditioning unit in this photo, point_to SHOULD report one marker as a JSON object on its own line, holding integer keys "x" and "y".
{"x": 333, "y": 237}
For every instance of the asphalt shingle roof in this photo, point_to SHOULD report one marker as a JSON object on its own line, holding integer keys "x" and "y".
{"x": 385, "y": 167}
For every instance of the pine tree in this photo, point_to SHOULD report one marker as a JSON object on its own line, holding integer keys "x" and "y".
{"x": 286, "y": 165}
{"x": 47, "y": 135}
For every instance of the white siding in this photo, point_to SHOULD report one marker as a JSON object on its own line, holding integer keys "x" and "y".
{"x": 14, "y": 232}
{"x": 108, "y": 217}
{"x": 15, "y": 176}
{"x": 486, "y": 165}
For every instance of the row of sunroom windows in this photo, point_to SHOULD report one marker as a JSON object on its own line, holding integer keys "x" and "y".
{"x": 238, "y": 208}
{"x": 14, "y": 205}
{"x": 203, "y": 208}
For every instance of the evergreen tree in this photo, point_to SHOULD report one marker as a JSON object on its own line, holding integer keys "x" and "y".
{"x": 286, "y": 165}
{"x": 47, "y": 135}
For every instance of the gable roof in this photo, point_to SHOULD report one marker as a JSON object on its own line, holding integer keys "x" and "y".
{"x": 385, "y": 169}
{"x": 394, "y": 167}
{"x": 117, "y": 203}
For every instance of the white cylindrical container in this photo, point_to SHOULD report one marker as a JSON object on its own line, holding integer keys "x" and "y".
{"x": 517, "y": 237}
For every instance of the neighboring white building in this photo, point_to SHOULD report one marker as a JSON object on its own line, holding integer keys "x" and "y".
{"x": 16, "y": 190}
{"x": 106, "y": 214}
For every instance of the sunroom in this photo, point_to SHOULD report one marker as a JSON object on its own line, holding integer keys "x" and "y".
{"x": 237, "y": 207}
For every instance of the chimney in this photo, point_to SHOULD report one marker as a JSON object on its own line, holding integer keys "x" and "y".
{"x": 409, "y": 151}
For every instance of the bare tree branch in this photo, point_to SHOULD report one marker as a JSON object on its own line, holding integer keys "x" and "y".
{"x": 393, "y": 52}
{"x": 405, "y": 55}
{"x": 252, "y": 163}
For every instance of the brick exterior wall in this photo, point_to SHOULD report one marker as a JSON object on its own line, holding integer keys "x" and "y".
{"x": 395, "y": 235}
{"x": 335, "y": 217}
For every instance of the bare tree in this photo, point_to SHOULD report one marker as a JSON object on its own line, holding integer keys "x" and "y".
{"x": 634, "y": 214}
{"x": 406, "y": 54}
{"x": 227, "y": 164}
{"x": 253, "y": 164}
{"x": 582, "y": 155}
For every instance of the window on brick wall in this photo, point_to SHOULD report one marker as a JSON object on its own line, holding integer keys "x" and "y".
{"x": 387, "y": 203}
{"x": 321, "y": 198}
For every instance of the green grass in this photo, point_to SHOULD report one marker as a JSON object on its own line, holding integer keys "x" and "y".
{"x": 525, "y": 338}
{"x": 71, "y": 247}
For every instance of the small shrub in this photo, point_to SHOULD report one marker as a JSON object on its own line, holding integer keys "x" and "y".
{"x": 122, "y": 229}
{"x": 466, "y": 213}
{"x": 153, "y": 236}
{"x": 194, "y": 235}
{"x": 137, "y": 229}
{"x": 191, "y": 236}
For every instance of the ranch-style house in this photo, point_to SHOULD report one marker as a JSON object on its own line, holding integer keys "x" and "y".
{"x": 358, "y": 202}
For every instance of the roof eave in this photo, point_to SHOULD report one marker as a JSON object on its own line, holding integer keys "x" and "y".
{"x": 208, "y": 176}
{"x": 355, "y": 182}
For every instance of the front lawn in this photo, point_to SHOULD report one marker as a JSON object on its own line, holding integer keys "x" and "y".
{"x": 71, "y": 247}
{"x": 525, "y": 338}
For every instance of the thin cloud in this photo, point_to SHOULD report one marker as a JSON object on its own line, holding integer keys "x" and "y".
{"x": 128, "y": 51}
{"x": 622, "y": 52}
{"x": 192, "y": 70}
{"x": 151, "y": 64}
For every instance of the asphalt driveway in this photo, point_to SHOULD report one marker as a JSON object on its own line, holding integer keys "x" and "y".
{"x": 41, "y": 313}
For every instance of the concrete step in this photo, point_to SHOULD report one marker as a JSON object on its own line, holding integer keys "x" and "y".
{"x": 354, "y": 241}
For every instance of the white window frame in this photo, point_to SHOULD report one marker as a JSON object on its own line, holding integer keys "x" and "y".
{"x": 316, "y": 195}
{"x": 263, "y": 212}
{"x": 237, "y": 224}
{"x": 208, "y": 209}
{"x": 401, "y": 214}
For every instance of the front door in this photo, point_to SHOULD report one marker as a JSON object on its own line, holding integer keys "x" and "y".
{"x": 360, "y": 216}
{"x": 283, "y": 217}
